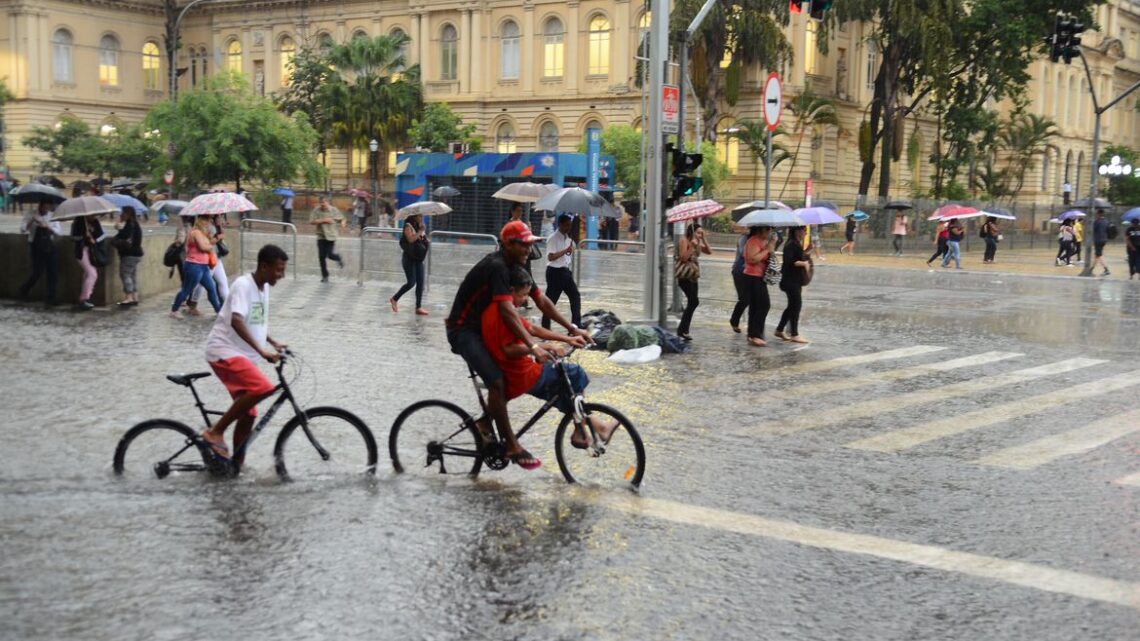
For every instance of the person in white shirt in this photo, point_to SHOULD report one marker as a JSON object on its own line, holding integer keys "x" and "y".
{"x": 287, "y": 209}
{"x": 238, "y": 339}
{"x": 41, "y": 231}
{"x": 560, "y": 247}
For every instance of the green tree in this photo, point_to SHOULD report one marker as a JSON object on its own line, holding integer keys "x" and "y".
{"x": 1123, "y": 189}
{"x": 714, "y": 173}
{"x": 224, "y": 132}
{"x": 440, "y": 126}
{"x": 754, "y": 135}
{"x": 746, "y": 33}
{"x": 1025, "y": 137}
{"x": 371, "y": 94}
{"x": 308, "y": 73}
{"x": 624, "y": 144}
{"x": 810, "y": 111}
{"x": 69, "y": 147}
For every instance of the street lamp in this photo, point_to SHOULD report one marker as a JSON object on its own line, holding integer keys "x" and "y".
{"x": 1115, "y": 168}
{"x": 373, "y": 147}
{"x": 174, "y": 48}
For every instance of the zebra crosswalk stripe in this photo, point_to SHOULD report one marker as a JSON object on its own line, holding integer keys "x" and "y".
{"x": 1077, "y": 441}
{"x": 891, "y": 403}
{"x": 1131, "y": 479}
{"x": 861, "y": 359}
{"x": 909, "y": 437}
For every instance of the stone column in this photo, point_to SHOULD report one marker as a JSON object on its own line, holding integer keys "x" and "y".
{"x": 475, "y": 82}
{"x": 414, "y": 50}
{"x": 422, "y": 45}
{"x": 528, "y": 50}
{"x": 464, "y": 52}
{"x": 570, "y": 68}
{"x": 620, "y": 45}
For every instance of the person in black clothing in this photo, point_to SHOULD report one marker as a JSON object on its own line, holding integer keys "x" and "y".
{"x": 849, "y": 234}
{"x": 989, "y": 234}
{"x": 796, "y": 263}
{"x": 487, "y": 283}
{"x": 560, "y": 246}
{"x": 129, "y": 244}
{"x": 1132, "y": 243}
{"x": 42, "y": 230}
{"x": 1100, "y": 239}
{"x": 688, "y": 273}
{"x": 414, "y": 243}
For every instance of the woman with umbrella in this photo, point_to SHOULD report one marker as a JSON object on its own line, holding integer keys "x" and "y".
{"x": 196, "y": 267}
{"x": 41, "y": 231}
{"x": 86, "y": 232}
{"x": 941, "y": 236}
{"x": 757, "y": 253}
{"x": 954, "y": 234}
{"x": 849, "y": 234}
{"x": 1132, "y": 243}
{"x": 129, "y": 244}
{"x": 793, "y": 269}
{"x": 989, "y": 234}
{"x": 1066, "y": 237}
{"x": 415, "y": 245}
{"x": 687, "y": 271}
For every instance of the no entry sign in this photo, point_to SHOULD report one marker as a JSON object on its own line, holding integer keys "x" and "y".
{"x": 773, "y": 100}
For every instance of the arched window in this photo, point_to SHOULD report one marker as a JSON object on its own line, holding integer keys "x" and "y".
{"x": 728, "y": 144}
{"x": 151, "y": 64}
{"x": 448, "y": 53}
{"x": 61, "y": 56}
{"x": 505, "y": 139}
{"x": 599, "y": 46}
{"x": 872, "y": 69}
{"x": 324, "y": 44}
{"x": 509, "y": 51}
{"x": 810, "y": 46}
{"x": 553, "y": 34}
{"x": 109, "y": 61}
{"x": 233, "y": 56}
{"x": 193, "y": 67}
{"x": 359, "y": 33}
{"x": 548, "y": 137}
{"x": 204, "y": 57}
{"x": 288, "y": 53}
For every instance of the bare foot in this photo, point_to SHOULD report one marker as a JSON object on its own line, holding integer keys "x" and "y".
{"x": 216, "y": 443}
{"x": 420, "y": 311}
{"x": 779, "y": 333}
{"x": 758, "y": 342}
{"x": 395, "y": 307}
{"x": 604, "y": 430}
{"x": 798, "y": 339}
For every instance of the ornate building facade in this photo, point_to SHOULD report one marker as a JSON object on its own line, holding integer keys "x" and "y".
{"x": 532, "y": 75}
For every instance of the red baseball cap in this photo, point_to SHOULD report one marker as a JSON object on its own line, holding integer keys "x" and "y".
{"x": 517, "y": 230}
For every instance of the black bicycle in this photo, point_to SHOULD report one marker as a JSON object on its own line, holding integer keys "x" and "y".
{"x": 335, "y": 442}
{"x": 438, "y": 437}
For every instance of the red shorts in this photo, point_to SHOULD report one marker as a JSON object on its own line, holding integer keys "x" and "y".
{"x": 241, "y": 376}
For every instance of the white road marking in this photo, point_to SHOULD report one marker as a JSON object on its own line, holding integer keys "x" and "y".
{"x": 1077, "y": 441}
{"x": 1131, "y": 479}
{"x": 894, "y": 402}
{"x": 826, "y": 387}
{"x": 845, "y": 361}
{"x": 909, "y": 437}
{"x": 1019, "y": 573}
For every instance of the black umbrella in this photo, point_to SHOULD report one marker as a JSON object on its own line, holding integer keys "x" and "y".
{"x": 898, "y": 204}
{"x": 445, "y": 191}
{"x": 37, "y": 192}
{"x": 1097, "y": 203}
{"x": 51, "y": 180}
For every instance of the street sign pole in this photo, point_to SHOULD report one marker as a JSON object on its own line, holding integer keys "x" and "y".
{"x": 773, "y": 104}
{"x": 654, "y": 175}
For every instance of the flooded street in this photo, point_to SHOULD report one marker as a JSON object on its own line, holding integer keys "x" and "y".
{"x": 955, "y": 456}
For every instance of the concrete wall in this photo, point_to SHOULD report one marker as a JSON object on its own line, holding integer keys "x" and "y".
{"x": 153, "y": 278}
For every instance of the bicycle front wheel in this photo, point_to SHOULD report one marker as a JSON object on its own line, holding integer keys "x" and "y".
{"x": 620, "y": 465}
{"x": 434, "y": 438}
{"x": 159, "y": 448}
{"x": 329, "y": 443}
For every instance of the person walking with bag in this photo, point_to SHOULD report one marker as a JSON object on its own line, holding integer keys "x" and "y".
{"x": 851, "y": 228}
{"x": 794, "y": 274}
{"x": 941, "y": 234}
{"x": 42, "y": 231}
{"x": 559, "y": 278}
{"x": 687, "y": 272}
{"x": 757, "y": 253}
{"x": 87, "y": 233}
{"x": 326, "y": 218}
{"x": 217, "y": 268}
{"x": 196, "y": 267}
{"x": 415, "y": 245}
{"x": 954, "y": 235}
{"x": 740, "y": 283}
{"x": 129, "y": 244}
{"x": 899, "y": 232}
{"x": 1132, "y": 243}
{"x": 1066, "y": 236}
{"x": 989, "y": 234}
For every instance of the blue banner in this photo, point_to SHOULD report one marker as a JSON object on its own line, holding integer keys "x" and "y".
{"x": 593, "y": 155}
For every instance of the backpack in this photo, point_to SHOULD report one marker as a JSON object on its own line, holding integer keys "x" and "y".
{"x": 982, "y": 231}
{"x": 173, "y": 255}
{"x": 1112, "y": 231}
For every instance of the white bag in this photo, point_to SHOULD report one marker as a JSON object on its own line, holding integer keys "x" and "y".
{"x": 637, "y": 356}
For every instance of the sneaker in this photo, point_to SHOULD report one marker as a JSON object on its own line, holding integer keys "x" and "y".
{"x": 325, "y": 279}
{"x": 340, "y": 262}
{"x": 85, "y": 306}
{"x": 1106, "y": 273}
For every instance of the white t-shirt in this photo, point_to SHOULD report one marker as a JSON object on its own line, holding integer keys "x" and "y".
{"x": 253, "y": 305}
{"x": 556, "y": 243}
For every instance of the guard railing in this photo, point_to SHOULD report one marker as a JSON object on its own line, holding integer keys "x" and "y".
{"x": 459, "y": 236}
{"x": 364, "y": 233}
{"x": 247, "y": 225}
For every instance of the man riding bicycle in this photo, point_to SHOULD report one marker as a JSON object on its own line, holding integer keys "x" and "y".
{"x": 486, "y": 284}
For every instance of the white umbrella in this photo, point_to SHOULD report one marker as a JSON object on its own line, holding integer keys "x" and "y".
{"x": 84, "y": 206}
{"x": 170, "y": 206}
{"x": 1002, "y": 216}
{"x": 576, "y": 200}
{"x": 771, "y": 218}
{"x": 525, "y": 192}
{"x": 220, "y": 202}
{"x": 740, "y": 211}
{"x": 424, "y": 208}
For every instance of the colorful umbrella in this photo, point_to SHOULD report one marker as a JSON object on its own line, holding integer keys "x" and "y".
{"x": 954, "y": 210}
{"x": 424, "y": 208}
{"x": 695, "y": 209}
{"x": 83, "y": 206}
{"x": 359, "y": 193}
{"x": 524, "y": 192}
{"x": 223, "y": 202}
{"x": 123, "y": 200}
{"x": 857, "y": 215}
{"x": 818, "y": 215}
{"x": 1072, "y": 213}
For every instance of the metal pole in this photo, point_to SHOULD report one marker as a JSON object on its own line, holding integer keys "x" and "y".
{"x": 1088, "y": 270}
{"x": 174, "y": 49}
{"x": 658, "y": 54}
{"x": 768, "y": 171}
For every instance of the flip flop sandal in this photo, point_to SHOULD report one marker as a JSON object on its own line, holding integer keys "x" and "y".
{"x": 522, "y": 455}
{"x": 219, "y": 450}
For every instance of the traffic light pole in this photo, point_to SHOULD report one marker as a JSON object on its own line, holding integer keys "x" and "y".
{"x": 654, "y": 278}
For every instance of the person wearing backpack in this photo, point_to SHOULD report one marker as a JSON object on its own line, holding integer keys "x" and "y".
{"x": 415, "y": 245}
{"x": 1100, "y": 239}
{"x": 989, "y": 233}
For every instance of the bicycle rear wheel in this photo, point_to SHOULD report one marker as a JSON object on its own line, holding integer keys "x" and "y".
{"x": 336, "y": 444}
{"x": 621, "y": 465}
{"x": 434, "y": 438}
{"x": 159, "y": 448}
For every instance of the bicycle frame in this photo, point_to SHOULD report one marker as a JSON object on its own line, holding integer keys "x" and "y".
{"x": 576, "y": 399}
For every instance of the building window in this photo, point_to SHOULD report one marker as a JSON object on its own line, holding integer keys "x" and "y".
{"x": 505, "y": 139}
{"x": 728, "y": 145}
{"x": 509, "y": 51}
{"x": 109, "y": 61}
{"x": 204, "y": 56}
{"x": 233, "y": 56}
{"x": 872, "y": 66}
{"x": 359, "y": 33}
{"x": 810, "y": 46}
{"x": 643, "y": 26}
{"x": 151, "y": 66}
{"x": 401, "y": 64}
{"x": 599, "y": 46}
{"x": 553, "y": 34}
{"x": 449, "y": 53}
{"x": 324, "y": 44}
{"x": 548, "y": 137}
{"x": 288, "y": 53}
{"x": 193, "y": 68}
{"x": 61, "y": 56}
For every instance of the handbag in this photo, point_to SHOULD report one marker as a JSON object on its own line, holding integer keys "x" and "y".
{"x": 97, "y": 255}
{"x": 772, "y": 273}
{"x": 687, "y": 270}
{"x": 535, "y": 252}
{"x": 221, "y": 249}
{"x": 213, "y": 260}
{"x": 1000, "y": 238}
{"x": 173, "y": 255}
{"x": 809, "y": 271}
{"x": 419, "y": 250}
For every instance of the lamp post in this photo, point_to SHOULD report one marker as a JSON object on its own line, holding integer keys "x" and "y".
{"x": 173, "y": 48}
{"x": 373, "y": 147}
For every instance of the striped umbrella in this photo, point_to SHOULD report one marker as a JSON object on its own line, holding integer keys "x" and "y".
{"x": 222, "y": 202}
{"x": 695, "y": 209}
{"x": 954, "y": 210}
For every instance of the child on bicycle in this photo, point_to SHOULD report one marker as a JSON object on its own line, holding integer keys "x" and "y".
{"x": 237, "y": 341}
{"x": 523, "y": 375}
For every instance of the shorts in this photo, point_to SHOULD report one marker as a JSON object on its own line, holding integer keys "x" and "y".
{"x": 850, "y": 238}
{"x": 241, "y": 376}
{"x": 469, "y": 344}
{"x": 1098, "y": 249}
{"x": 550, "y": 386}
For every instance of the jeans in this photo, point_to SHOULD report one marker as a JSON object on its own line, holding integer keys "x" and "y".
{"x": 1066, "y": 252}
{"x": 194, "y": 274}
{"x": 559, "y": 280}
{"x": 551, "y": 386}
{"x": 44, "y": 261}
{"x": 991, "y": 248}
{"x": 758, "y": 305}
{"x": 1133, "y": 263}
{"x": 953, "y": 250}
{"x": 325, "y": 251}
{"x": 128, "y": 266}
{"x": 791, "y": 315}
{"x": 221, "y": 284}
{"x": 692, "y": 289}
{"x": 89, "y": 275}
{"x": 414, "y": 272}
{"x": 739, "y": 280}
{"x": 897, "y": 243}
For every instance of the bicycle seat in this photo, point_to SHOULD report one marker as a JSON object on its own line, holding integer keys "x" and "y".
{"x": 186, "y": 379}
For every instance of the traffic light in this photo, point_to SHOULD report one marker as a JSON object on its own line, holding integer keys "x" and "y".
{"x": 1065, "y": 42}
{"x": 1073, "y": 46}
{"x": 818, "y": 7}
{"x": 683, "y": 183}
{"x": 796, "y": 6}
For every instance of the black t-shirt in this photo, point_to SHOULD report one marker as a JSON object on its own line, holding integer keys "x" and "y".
{"x": 956, "y": 234}
{"x": 488, "y": 281}
{"x": 1133, "y": 234}
{"x": 790, "y": 274}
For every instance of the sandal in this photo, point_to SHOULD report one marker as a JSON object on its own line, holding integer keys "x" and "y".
{"x": 219, "y": 449}
{"x": 583, "y": 444}
{"x": 525, "y": 460}
{"x": 395, "y": 306}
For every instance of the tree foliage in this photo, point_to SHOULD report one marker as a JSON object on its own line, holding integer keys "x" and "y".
{"x": 624, "y": 144}
{"x": 810, "y": 111}
{"x": 753, "y": 134}
{"x": 223, "y": 132}
{"x": 74, "y": 147}
{"x": 439, "y": 126}
{"x": 308, "y": 73}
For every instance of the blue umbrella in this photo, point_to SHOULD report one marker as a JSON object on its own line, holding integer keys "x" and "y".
{"x": 1072, "y": 213}
{"x": 284, "y": 191}
{"x": 1132, "y": 214}
{"x": 123, "y": 200}
{"x": 858, "y": 215}
{"x": 818, "y": 215}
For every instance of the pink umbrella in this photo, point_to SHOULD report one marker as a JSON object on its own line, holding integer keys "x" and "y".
{"x": 954, "y": 210}
{"x": 217, "y": 203}
{"x": 695, "y": 209}
{"x": 359, "y": 193}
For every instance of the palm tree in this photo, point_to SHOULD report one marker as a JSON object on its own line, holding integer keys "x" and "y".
{"x": 372, "y": 94}
{"x": 754, "y": 135}
{"x": 810, "y": 111}
{"x": 1025, "y": 137}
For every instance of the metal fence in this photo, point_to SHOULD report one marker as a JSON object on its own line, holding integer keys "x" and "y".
{"x": 247, "y": 229}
